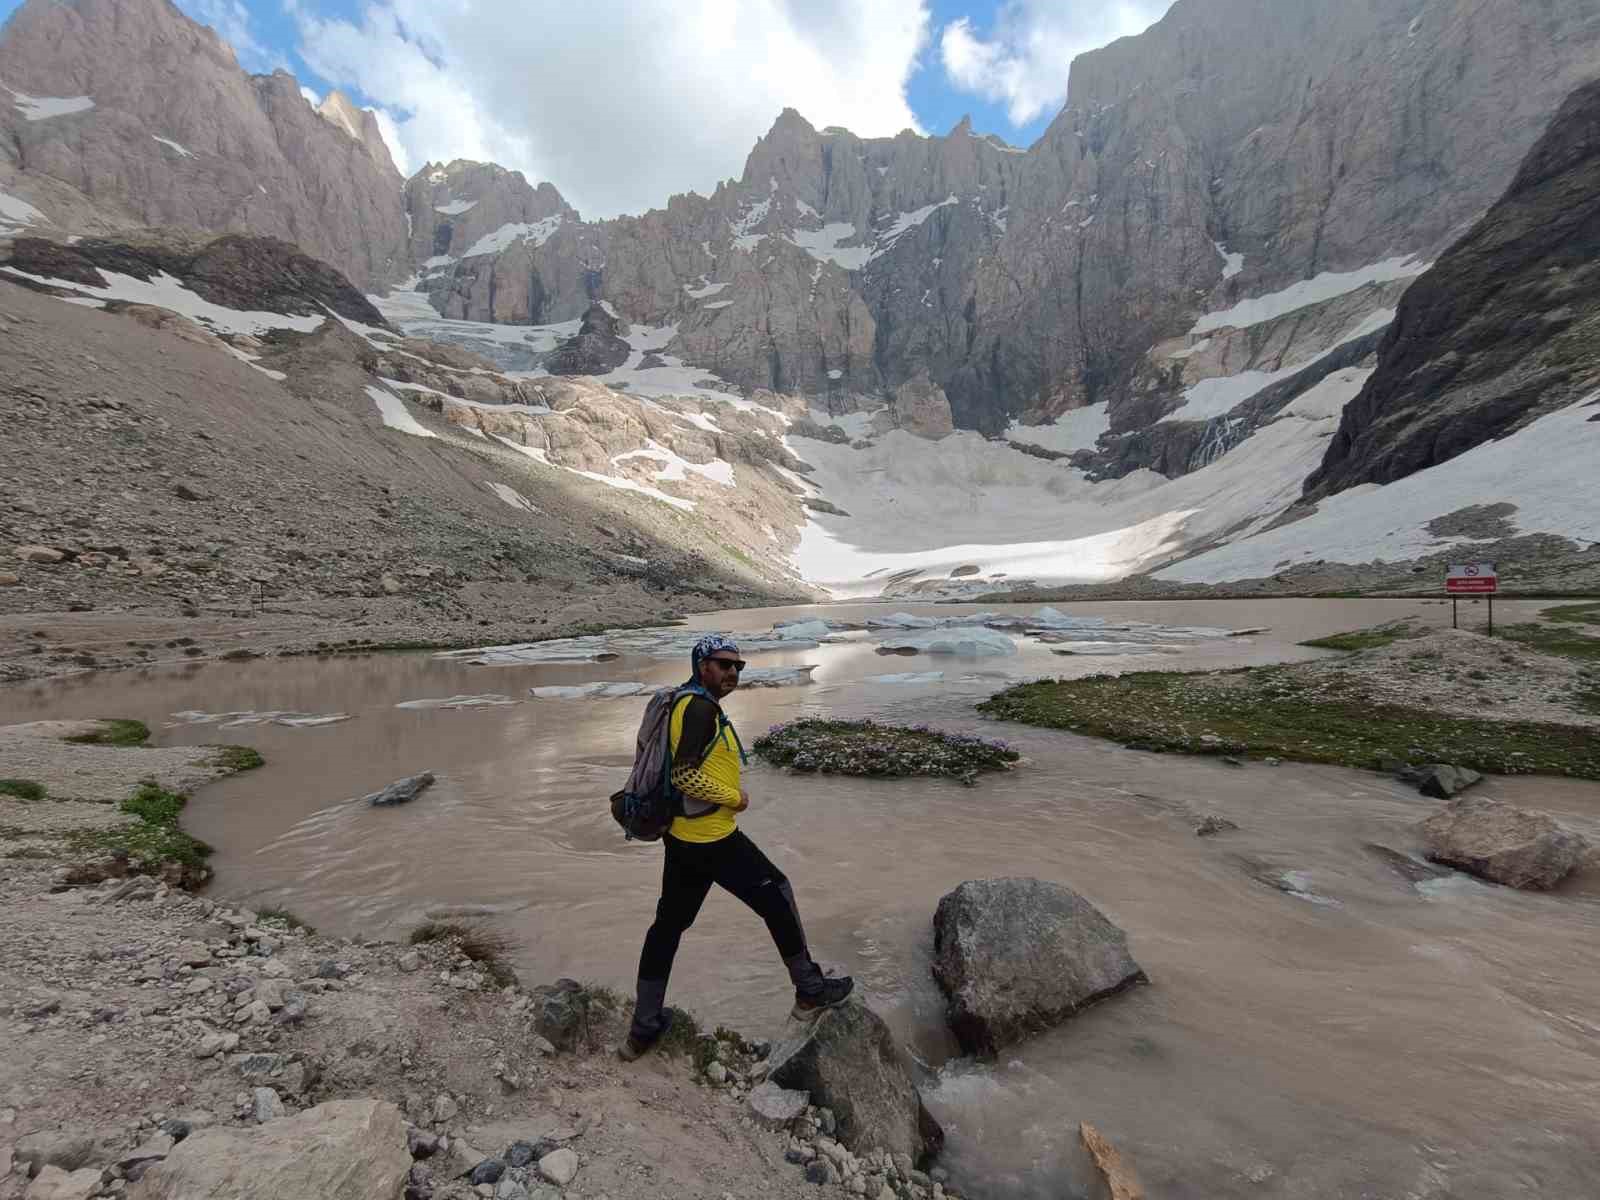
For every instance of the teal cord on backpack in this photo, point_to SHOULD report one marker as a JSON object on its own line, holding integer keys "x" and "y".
{"x": 646, "y": 806}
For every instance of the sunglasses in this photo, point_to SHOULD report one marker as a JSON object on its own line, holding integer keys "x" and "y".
{"x": 729, "y": 664}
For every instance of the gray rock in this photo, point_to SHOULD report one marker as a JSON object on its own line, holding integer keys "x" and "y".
{"x": 774, "y": 1106}
{"x": 1442, "y": 781}
{"x": 560, "y": 1167}
{"x": 259, "y": 1066}
{"x": 444, "y": 1108}
{"x": 52, "y": 1183}
{"x": 401, "y": 791}
{"x": 561, "y": 1013}
{"x": 265, "y": 1105}
{"x": 342, "y": 1148}
{"x": 1502, "y": 843}
{"x": 1212, "y": 826}
{"x": 1016, "y": 956}
{"x": 410, "y": 961}
{"x": 848, "y": 1060}
{"x": 488, "y": 1170}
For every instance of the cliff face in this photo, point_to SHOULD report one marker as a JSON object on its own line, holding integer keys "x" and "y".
{"x": 1305, "y": 137}
{"x": 126, "y": 113}
{"x": 1503, "y": 329}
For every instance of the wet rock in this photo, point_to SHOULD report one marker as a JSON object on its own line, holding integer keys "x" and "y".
{"x": 775, "y": 1106}
{"x": 1410, "y": 869}
{"x": 1017, "y": 956}
{"x": 848, "y": 1060}
{"x": 1502, "y": 843}
{"x": 343, "y": 1148}
{"x": 1443, "y": 781}
{"x": 1212, "y": 826}
{"x": 560, "y": 1167}
{"x": 401, "y": 791}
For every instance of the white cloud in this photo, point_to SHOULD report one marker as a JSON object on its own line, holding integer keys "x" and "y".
{"x": 311, "y": 97}
{"x": 619, "y": 103}
{"x": 392, "y": 139}
{"x": 1024, "y": 61}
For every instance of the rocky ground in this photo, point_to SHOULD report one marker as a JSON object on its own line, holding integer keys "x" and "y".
{"x": 162, "y": 500}
{"x": 135, "y": 1016}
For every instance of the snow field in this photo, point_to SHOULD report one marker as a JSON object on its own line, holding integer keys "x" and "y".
{"x": 1323, "y": 287}
{"x": 163, "y": 291}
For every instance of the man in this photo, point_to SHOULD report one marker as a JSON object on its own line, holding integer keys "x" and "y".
{"x": 704, "y": 846}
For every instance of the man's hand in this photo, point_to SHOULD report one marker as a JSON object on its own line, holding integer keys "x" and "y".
{"x": 744, "y": 801}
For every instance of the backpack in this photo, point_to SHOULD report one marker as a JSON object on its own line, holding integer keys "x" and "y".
{"x": 646, "y": 806}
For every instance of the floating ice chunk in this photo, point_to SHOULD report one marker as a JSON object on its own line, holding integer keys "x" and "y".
{"x": 908, "y": 677}
{"x": 230, "y": 720}
{"x": 484, "y": 701}
{"x": 968, "y": 642}
{"x": 772, "y": 677}
{"x": 901, "y": 620}
{"x": 310, "y": 722}
{"x": 565, "y": 692}
{"x": 801, "y": 630}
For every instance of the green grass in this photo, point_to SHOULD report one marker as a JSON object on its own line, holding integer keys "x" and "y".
{"x": 118, "y": 731}
{"x": 152, "y": 845}
{"x": 238, "y": 758}
{"x": 1565, "y": 642}
{"x": 22, "y": 789}
{"x": 1368, "y": 639}
{"x": 1271, "y": 713}
{"x": 880, "y": 751}
{"x": 1581, "y": 614}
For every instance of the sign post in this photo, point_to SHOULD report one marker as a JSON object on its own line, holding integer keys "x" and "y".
{"x": 1471, "y": 579}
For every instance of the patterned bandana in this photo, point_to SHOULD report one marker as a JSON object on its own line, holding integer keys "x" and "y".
{"x": 706, "y": 647}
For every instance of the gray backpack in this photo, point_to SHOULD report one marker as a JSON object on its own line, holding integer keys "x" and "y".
{"x": 646, "y": 806}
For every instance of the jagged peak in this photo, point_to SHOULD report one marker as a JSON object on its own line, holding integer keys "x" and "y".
{"x": 963, "y": 127}
{"x": 339, "y": 110}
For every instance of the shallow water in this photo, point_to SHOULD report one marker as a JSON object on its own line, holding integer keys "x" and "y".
{"x": 1317, "y": 1025}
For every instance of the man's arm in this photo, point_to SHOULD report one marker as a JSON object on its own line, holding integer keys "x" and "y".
{"x": 696, "y": 735}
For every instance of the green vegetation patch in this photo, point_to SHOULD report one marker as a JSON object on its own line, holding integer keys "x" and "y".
{"x": 1369, "y": 639}
{"x": 1268, "y": 712}
{"x": 118, "y": 731}
{"x": 1580, "y": 614}
{"x": 238, "y": 758}
{"x": 1562, "y": 641}
{"x": 152, "y": 845}
{"x": 22, "y": 789}
{"x": 880, "y": 751}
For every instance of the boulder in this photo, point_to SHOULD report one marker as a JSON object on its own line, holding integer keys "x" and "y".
{"x": 775, "y": 1106}
{"x": 1443, "y": 781}
{"x": 922, "y": 408}
{"x": 848, "y": 1061}
{"x": 561, "y": 1013}
{"x": 351, "y": 1148}
{"x": 52, "y": 1183}
{"x": 1502, "y": 843}
{"x": 560, "y": 1167}
{"x": 597, "y": 349}
{"x": 1017, "y": 956}
{"x": 68, "y": 1149}
{"x": 401, "y": 791}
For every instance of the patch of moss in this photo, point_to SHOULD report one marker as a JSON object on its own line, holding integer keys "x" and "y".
{"x": 1368, "y": 639}
{"x": 22, "y": 789}
{"x": 1273, "y": 713}
{"x": 117, "y": 731}
{"x": 880, "y": 751}
{"x": 238, "y": 758}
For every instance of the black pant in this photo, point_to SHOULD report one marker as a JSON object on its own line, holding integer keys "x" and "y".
{"x": 736, "y": 865}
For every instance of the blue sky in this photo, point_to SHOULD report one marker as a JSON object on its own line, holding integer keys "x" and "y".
{"x": 620, "y": 103}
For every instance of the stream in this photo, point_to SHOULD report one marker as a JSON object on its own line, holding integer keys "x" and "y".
{"x": 1318, "y": 1025}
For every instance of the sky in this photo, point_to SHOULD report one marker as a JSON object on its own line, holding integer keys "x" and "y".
{"x": 622, "y": 103}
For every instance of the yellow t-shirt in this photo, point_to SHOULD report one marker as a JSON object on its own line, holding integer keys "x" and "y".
{"x": 715, "y": 780}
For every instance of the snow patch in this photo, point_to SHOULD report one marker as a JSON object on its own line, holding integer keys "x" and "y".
{"x": 1546, "y": 470}
{"x": 174, "y": 145}
{"x": 539, "y": 232}
{"x": 511, "y": 496}
{"x": 1326, "y": 286}
{"x": 1079, "y": 429}
{"x": 395, "y": 415}
{"x": 456, "y": 207}
{"x": 907, "y": 221}
{"x": 823, "y": 245}
{"x": 700, "y": 293}
{"x": 19, "y": 211}
{"x": 675, "y": 467}
{"x": 1232, "y": 264}
{"x": 40, "y": 108}
{"x": 163, "y": 291}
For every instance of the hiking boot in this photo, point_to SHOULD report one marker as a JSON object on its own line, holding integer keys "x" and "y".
{"x": 633, "y": 1046}
{"x": 832, "y": 993}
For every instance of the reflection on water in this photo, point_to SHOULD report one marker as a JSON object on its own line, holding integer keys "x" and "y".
{"x": 1320, "y": 1024}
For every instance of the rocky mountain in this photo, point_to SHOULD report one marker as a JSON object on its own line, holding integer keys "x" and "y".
{"x": 1504, "y": 329}
{"x": 95, "y": 137}
{"x": 1236, "y": 147}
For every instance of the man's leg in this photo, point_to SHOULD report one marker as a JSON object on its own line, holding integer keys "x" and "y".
{"x": 683, "y": 891}
{"x": 741, "y": 868}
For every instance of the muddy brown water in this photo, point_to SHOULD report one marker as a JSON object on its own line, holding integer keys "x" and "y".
{"x": 1318, "y": 1025}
